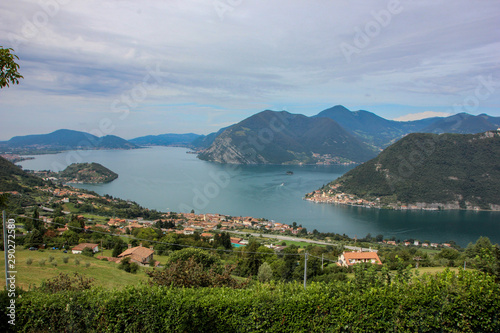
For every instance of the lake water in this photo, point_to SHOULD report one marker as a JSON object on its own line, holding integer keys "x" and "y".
{"x": 169, "y": 179}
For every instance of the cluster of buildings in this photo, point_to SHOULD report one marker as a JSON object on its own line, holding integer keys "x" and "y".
{"x": 190, "y": 223}
{"x": 328, "y": 159}
{"x": 334, "y": 196}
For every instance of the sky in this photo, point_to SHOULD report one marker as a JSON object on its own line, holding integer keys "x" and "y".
{"x": 134, "y": 68}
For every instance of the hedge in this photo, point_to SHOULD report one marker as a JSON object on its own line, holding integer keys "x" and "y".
{"x": 447, "y": 302}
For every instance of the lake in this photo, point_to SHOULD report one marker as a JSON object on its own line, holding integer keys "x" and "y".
{"x": 169, "y": 179}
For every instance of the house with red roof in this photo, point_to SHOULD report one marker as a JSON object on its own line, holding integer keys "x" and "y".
{"x": 139, "y": 254}
{"x": 80, "y": 247}
{"x": 347, "y": 259}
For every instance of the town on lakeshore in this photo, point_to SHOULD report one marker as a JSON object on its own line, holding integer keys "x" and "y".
{"x": 183, "y": 223}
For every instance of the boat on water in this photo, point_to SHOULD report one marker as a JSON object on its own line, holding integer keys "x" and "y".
{"x": 289, "y": 172}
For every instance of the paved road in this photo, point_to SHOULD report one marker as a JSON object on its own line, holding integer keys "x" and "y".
{"x": 296, "y": 239}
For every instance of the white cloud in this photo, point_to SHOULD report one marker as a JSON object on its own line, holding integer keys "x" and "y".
{"x": 259, "y": 54}
{"x": 422, "y": 115}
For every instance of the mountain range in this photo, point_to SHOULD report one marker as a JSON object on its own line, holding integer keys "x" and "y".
{"x": 446, "y": 171}
{"x": 169, "y": 139}
{"x": 334, "y": 135}
{"x": 346, "y": 137}
{"x": 64, "y": 139}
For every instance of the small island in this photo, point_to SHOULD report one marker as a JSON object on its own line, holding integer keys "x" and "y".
{"x": 88, "y": 173}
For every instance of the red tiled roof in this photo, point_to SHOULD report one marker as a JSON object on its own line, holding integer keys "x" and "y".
{"x": 138, "y": 253}
{"x": 82, "y": 246}
{"x": 361, "y": 255}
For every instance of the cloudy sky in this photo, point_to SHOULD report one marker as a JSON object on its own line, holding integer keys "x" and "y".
{"x": 132, "y": 68}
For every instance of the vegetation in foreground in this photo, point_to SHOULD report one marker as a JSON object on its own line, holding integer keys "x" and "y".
{"x": 446, "y": 302}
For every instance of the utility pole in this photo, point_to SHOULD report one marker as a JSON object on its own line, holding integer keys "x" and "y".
{"x": 305, "y": 271}
{"x": 321, "y": 261}
{"x": 5, "y": 251}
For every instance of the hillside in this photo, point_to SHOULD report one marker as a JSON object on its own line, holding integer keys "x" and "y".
{"x": 13, "y": 178}
{"x": 87, "y": 173}
{"x": 447, "y": 171}
{"x": 179, "y": 140}
{"x": 271, "y": 137}
{"x": 63, "y": 140}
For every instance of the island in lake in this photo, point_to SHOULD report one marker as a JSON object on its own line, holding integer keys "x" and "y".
{"x": 88, "y": 173}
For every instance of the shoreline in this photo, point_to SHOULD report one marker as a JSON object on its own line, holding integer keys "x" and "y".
{"x": 437, "y": 207}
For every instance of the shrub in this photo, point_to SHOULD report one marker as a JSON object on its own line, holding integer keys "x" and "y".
{"x": 29, "y": 261}
{"x": 127, "y": 266}
{"x": 54, "y": 263}
{"x": 77, "y": 261}
{"x": 65, "y": 282}
{"x": 87, "y": 265}
{"x": 447, "y": 302}
{"x": 65, "y": 260}
{"x": 88, "y": 252}
{"x": 42, "y": 262}
{"x": 191, "y": 274}
{"x": 205, "y": 258}
{"x": 51, "y": 258}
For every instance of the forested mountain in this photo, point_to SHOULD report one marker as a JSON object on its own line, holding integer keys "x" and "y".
{"x": 169, "y": 139}
{"x": 64, "y": 139}
{"x": 271, "y": 137}
{"x": 447, "y": 171}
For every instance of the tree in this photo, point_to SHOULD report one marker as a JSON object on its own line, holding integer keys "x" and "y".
{"x": 223, "y": 239}
{"x": 192, "y": 274}
{"x": 127, "y": 266}
{"x": 88, "y": 252}
{"x": 117, "y": 249}
{"x": 34, "y": 239}
{"x": 202, "y": 257}
{"x": 265, "y": 272}
{"x": 8, "y": 67}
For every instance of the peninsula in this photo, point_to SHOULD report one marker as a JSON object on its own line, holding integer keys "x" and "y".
{"x": 424, "y": 171}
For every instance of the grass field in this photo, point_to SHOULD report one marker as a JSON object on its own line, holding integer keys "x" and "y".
{"x": 106, "y": 273}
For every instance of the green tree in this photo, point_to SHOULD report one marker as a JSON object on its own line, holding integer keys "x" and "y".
{"x": 127, "y": 266}
{"x": 34, "y": 239}
{"x": 205, "y": 258}
{"x": 88, "y": 252}
{"x": 265, "y": 272}
{"x": 252, "y": 259}
{"x": 8, "y": 67}
{"x": 117, "y": 249}
{"x": 223, "y": 239}
{"x": 192, "y": 274}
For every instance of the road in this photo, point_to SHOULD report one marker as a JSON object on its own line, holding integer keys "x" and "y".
{"x": 297, "y": 239}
